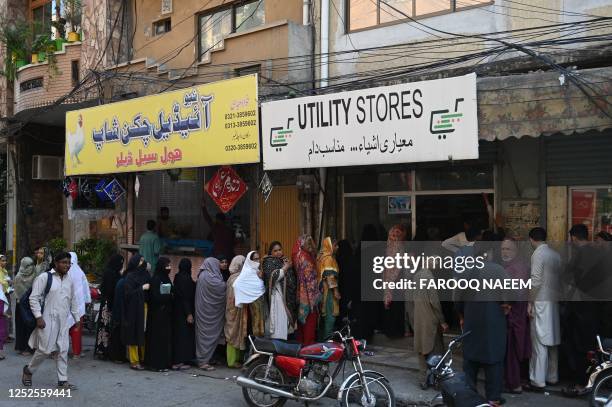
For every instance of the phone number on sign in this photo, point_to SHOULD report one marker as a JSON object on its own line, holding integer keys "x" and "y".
{"x": 235, "y": 147}
{"x": 39, "y": 393}
{"x": 241, "y": 123}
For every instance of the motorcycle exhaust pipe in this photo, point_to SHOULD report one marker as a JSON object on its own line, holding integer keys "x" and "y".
{"x": 252, "y": 384}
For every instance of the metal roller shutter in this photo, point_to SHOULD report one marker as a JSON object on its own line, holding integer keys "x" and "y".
{"x": 579, "y": 159}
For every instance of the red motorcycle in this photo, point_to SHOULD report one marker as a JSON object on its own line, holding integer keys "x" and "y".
{"x": 278, "y": 371}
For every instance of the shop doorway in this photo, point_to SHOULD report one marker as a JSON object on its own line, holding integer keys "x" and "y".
{"x": 439, "y": 217}
{"x": 279, "y": 218}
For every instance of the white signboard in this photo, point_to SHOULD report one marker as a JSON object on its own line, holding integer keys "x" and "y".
{"x": 412, "y": 122}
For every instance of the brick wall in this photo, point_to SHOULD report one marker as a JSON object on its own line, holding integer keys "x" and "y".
{"x": 55, "y": 84}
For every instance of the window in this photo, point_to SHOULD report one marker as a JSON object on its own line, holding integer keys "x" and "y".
{"x": 369, "y": 13}
{"x": 248, "y": 70}
{"x": 214, "y": 27}
{"x": 41, "y": 19}
{"x": 162, "y": 26}
{"x": 74, "y": 72}
{"x": 249, "y": 15}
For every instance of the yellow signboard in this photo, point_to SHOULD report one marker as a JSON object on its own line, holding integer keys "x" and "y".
{"x": 212, "y": 124}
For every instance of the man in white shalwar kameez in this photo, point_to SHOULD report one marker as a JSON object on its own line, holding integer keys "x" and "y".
{"x": 544, "y": 312}
{"x": 52, "y": 325}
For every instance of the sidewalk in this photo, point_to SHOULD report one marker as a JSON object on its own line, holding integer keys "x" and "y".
{"x": 396, "y": 359}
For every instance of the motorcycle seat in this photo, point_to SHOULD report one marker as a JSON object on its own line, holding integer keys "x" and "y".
{"x": 277, "y": 346}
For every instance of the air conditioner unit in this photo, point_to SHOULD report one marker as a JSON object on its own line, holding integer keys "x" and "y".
{"x": 47, "y": 167}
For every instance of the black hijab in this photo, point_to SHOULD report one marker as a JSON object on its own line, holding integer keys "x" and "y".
{"x": 112, "y": 274}
{"x": 184, "y": 267}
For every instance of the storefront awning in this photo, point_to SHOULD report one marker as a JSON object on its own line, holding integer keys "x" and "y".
{"x": 543, "y": 103}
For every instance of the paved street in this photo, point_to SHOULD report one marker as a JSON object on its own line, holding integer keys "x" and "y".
{"x": 109, "y": 384}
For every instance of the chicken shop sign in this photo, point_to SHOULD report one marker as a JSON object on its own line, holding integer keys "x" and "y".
{"x": 412, "y": 122}
{"x": 212, "y": 124}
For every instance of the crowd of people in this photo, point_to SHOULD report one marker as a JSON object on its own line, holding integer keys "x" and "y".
{"x": 154, "y": 322}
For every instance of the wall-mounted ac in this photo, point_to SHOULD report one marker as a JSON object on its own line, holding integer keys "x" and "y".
{"x": 47, "y": 167}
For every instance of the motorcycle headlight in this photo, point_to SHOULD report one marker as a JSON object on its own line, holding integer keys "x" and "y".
{"x": 361, "y": 345}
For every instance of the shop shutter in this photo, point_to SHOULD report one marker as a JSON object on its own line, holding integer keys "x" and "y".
{"x": 579, "y": 159}
{"x": 279, "y": 218}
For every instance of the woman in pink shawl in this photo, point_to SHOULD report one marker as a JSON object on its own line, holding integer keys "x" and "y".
{"x": 308, "y": 291}
{"x": 518, "y": 347}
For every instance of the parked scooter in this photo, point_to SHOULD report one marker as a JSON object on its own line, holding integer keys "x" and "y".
{"x": 278, "y": 371}
{"x": 600, "y": 374}
{"x": 455, "y": 389}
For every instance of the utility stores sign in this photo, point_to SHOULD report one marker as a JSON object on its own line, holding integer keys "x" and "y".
{"x": 412, "y": 122}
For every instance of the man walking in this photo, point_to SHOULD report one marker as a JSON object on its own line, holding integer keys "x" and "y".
{"x": 51, "y": 313}
{"x": 544, "y": 312}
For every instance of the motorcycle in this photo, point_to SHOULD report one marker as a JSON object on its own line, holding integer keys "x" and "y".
{"x": 278, "y": 371}
{"x": 600, "y": 374}
{"x": 455, "y": 389}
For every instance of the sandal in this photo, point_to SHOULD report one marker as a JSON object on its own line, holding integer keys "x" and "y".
{"x": 136, "y": 367}
{"x": 26, "y": 377}
{"x": 177, "y": 367}
{"x": 533, "y": 389}
{"x": 185, "y": 367}
{"x": 66, "y": 386}
{"x": 574, "y": 392}
{"x": 206, "y": 367}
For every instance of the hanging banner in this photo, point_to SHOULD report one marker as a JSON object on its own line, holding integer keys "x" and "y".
{"x": 411, "y": 122}
{"x": 226, "y": 188}
{"x": 212, "y": 124}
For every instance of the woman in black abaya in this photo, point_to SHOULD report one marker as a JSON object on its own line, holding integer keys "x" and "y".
{"x": 158, "y": 354}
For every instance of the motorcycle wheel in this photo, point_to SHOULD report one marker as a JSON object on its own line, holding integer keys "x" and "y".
{"x": 256, "y": 398}
{"x": 601, "y": 396}
{"x": 379, "y": 388}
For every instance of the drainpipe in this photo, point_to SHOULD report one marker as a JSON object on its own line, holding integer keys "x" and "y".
{"x": 306, "y": 12}
{"x": 323, "y": 83}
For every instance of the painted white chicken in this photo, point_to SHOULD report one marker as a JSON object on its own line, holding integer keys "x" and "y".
{"x": 76, "y": 141}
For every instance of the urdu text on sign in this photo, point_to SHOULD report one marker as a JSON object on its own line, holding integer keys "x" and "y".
{"x": 412, "y": 122}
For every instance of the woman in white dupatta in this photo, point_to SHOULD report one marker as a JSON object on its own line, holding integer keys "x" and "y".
{"x": 249, "y": 291}
{"x": 81, "y": 289}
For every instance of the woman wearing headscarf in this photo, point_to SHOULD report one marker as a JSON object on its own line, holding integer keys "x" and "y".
{"x": 249, "y": 291}
{"x": 328, "y": 273}
{"x": 308, "y": 292}
{"x": 183, "y": 345}
{"x": 281, "y": 285}
{"x": 112, "y": 274}
{"x": 23, "y": 282}
{"x": 43, "y": 260}
{"x": 348, "y": 280}
{"x": 236, "y": 319}
{"x": 135, "y": 296}
{"x": 394, "y": 315}
{"x": 4, "y": 321}
{"x": 159, "y": 318}
{"x": 81, "y": 289}
{"x": 224, "y": 266}
{"x": 210, "y": 311}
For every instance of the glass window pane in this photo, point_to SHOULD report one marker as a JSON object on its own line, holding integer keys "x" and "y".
{"x": 362, "y": 14}
{"x": 393, "y": 10}
{"x": 424, "y": 7}
{"x": 378, "y": 182}
{"x": 250, "y": 15}
{"x": 476, "y": 177}
{"x": 213, "y": 28}
{"x": 374, "y": 211}
{"x": 471, "y": 3}
{"x": 593, "y": 208}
